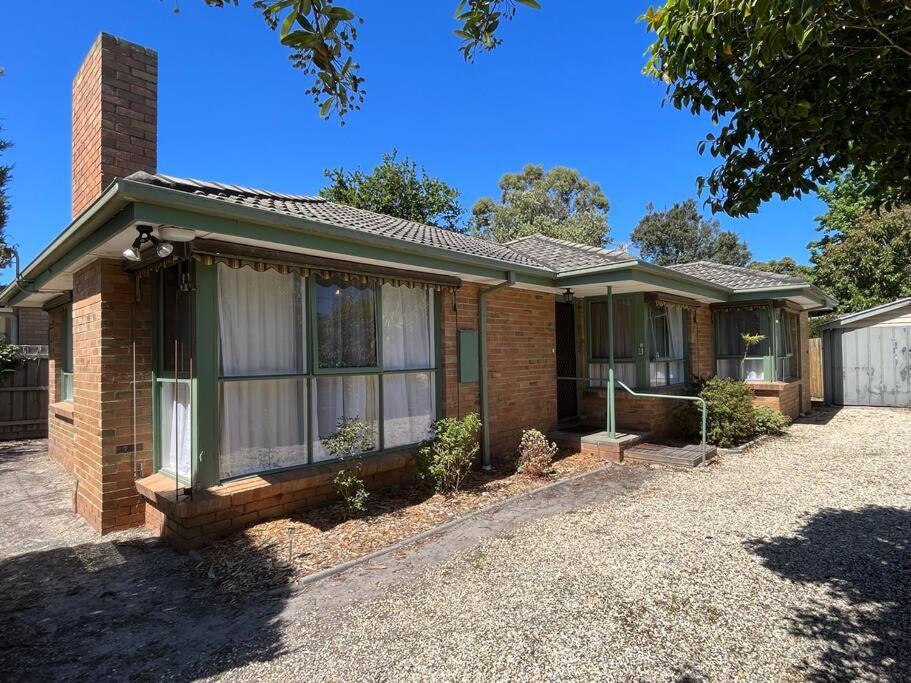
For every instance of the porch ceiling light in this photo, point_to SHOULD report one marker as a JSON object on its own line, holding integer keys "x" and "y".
{"x": 568, "y": 296}
{"x": 133, "y": 252}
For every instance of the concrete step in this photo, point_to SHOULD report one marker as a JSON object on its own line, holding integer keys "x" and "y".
{"x": 673, "y": 456}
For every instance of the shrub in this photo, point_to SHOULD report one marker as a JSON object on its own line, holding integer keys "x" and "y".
{"x": 11, "y": 356}
{"x": 536, "y": 455}
{"x": 770, "y": 421}
{"x": 446, "y": 460}
{"x": 347, "y": 443}
{"x": 730, "y": 416}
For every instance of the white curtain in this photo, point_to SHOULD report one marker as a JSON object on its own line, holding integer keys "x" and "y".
{"x": 354, "y": 397}
{"x": 675, "y": 331}
{"x": 625, "y": 372}
{"x": 175, "y": 427}
{"x": 408, "y": 408}
{"x": 263, "y": 425}
{"x": 261, "y": 320}
{"x": 346, "y": 325}
{"x": 407, "y": 328}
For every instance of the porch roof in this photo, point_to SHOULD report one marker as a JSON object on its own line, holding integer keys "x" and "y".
{"x": 311, "y": 224}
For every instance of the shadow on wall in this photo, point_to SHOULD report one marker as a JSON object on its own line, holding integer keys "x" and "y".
{"x": 126, "y": 610}
{"x": 862, "y": 558}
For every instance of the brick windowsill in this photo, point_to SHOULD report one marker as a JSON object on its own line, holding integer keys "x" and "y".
{"x": 62, "y": 410}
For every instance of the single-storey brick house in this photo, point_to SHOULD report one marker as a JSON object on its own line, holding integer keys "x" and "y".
{"x": 205, "y": 336}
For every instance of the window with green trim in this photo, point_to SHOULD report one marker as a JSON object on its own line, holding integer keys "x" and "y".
{"x": 730, "y": 326}
{"x": 667, "y": 346}
{"x": 65, "y": 374}
{"x": 624, "y": 342}
{"x": 786, "y": 328}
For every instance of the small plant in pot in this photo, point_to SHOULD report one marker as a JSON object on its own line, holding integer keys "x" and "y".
{"x": 351, "y": 439}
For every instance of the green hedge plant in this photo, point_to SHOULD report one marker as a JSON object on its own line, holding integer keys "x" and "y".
{"x": 770, "y": 421}
{"x": 448, "y": 457}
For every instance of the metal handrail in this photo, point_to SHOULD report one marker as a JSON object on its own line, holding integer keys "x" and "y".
{"x": 611, "y": 417}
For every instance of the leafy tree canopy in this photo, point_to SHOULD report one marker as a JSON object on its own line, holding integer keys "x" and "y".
{"x": 864, "y": 256}
{"x": 681, "y": 234}
{"x": 801, "y": 90}
{"x": 784, "y": 266}
{"x": 6, "y": 252}
{"x": 322, "y": 35}
{"x": 396, "y": 188}
{"x": 556, "y": 203}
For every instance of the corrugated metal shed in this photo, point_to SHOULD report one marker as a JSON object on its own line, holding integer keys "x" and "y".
{"x": 867, "y": 357}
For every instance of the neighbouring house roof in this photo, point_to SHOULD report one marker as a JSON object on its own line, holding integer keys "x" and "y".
{"x": 324, "y": 211}
{"x": 875, "y": 311}
{"x": 562, "y": 255}
{"x": 735, "y": 277}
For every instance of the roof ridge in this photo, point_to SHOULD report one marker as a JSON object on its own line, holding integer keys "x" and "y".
{"x": 197, "y": 184}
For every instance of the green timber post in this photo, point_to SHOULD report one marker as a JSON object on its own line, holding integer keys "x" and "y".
{"x": 205, "y": 383}
{"x": 611, "y": 415}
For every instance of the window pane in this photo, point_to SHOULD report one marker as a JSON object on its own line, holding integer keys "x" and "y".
{"x": 346, "y": 325}
{"x": 407, "y": 328}
{"x": 175, "y": 314}
{"x": 354, "y": 397}
{"x": 657, "y": 374}
{"x": 408, "y": 407}
{"x": 675, "y": 372}
{"x": 733, "y": 323}
{"x": 263, "y": 425}
{"x": 8, "y": 327}
{"x": 730, "y": 367}
{"x": 784, "y": 320}
{"x": 261, "y": 322}
{"x": 623, "y": 329}
{"x": 174, "y": 401}
{"x": 624, "y": 372}
{"x": 659, "y": 344}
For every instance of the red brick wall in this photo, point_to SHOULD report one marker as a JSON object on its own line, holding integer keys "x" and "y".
{"x": 114, "y": 116}
{"x": 33, "y": 326}
{"x": 105, "y": 464}
{"x": 521, "y": 389}
{"x": 522, "y": 369}
{"x": 702, "y": 354}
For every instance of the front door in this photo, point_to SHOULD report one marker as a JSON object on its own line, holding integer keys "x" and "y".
{"x": 567, "y": 394}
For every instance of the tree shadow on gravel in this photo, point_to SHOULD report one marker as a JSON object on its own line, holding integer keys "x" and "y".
{"x": 126, "y": 610}
{"x": 863, "y": 560}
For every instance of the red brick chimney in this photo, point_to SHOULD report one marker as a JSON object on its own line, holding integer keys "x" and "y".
{"x": 115, "y": 116}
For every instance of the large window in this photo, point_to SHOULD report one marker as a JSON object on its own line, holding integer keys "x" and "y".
{"x": 734, "y": 360}
{"x": 666, "y": 345}
{"x": 175, "y": 369}
{"x": 298, "y": 354}
{"x": 624, "y": 342}
{"x": 8, "y": 327}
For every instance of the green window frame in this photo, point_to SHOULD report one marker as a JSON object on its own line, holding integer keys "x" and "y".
{"x": 786, "y": 328}
{"x": 208, "y": 379}
{"x": 666, "y": 369}
{"x": 65, "y": 374}
{"x": 728, "y": 323}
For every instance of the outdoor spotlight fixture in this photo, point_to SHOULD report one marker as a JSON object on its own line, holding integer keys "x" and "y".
{"x": 132, "y": 253}
{"x": 568, "y": 296}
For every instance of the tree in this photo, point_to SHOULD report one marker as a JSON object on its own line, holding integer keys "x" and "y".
{"x": 864, "y": 256}
{"x": 784, "y": 266}
{"x": 801, "y": 89}
{"x": 397, "y": 188}
{"x": 6, "y": 251}
{"x": 557, "y": 203}
{"x": 322, "y": 37}
{"x": 681, "y": 235}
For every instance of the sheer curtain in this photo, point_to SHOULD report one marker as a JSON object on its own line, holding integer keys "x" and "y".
{"x": 408, "y": 398}
{"x": 261, "y": 327}
{"x": 353, "y": 397}
{"x": 175, "y": 427}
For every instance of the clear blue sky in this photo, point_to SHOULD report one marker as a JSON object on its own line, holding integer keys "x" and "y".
{"x": 566, "y": 88}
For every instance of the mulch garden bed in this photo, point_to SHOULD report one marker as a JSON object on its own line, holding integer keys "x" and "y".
{"x": 277, "y": 552}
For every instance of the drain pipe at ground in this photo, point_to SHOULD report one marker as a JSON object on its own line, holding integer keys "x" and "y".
{"x": 482, "y": 358}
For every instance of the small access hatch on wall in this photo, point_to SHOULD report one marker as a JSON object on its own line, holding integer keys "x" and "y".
{"x": 468, "y": 355}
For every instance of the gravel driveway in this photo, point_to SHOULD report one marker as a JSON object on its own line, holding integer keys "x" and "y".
{"x": 790, "y": 562}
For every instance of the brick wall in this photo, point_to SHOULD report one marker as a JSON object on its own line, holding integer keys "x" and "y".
{"x": 104, "y": 461}
{"x": 702, "y": 354}
{"x": 803, "y": 347}
{"x": 114, "y": 116}
{"x": 652, "y": 416}
{"x": 522, "y": 369}
{"x": 33, "y": 326}
{"x": 459, "y": 312}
